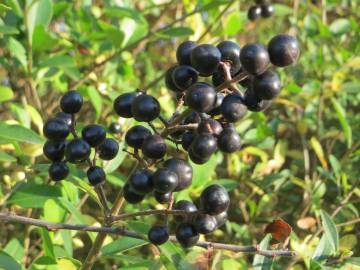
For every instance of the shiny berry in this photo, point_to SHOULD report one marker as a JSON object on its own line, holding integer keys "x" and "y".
{"x": 183, "y": 52}
{"x": 201, "y": 97}
{"x": 141, "y": 181}
{"x": 233, "y": 108}
{"x": 136, "y": 135}
{"x": 77, "y": 150}
{"x": 218, "y": 78}
{"x": 158, "y": 235}
{"x": 267, "y": 10}
{"x": 187, "y": 235}
{"x": 56, "y": 129}
{"x": 204, "y": 145}
{"x": 254, "y": 103}
{"x": 184, "y": 76}
{"x": 122, "y": 104}
{"x": 169, "y": 80}
{"x": 187, "y": 139}
{"x": 187, "y": 206}
{"x": 165, "y": 180}
{"x": 94, "y": 134}
{"x": 254, "y": 13}
{"x": 221, "y": 218}
{"x": 230, "y": 52}
{"x": 214, "y": 199}
{"x": 162, "y": 197}
{"x": 229, "y": 140}
{"x": 205, "y": 59}
{"x": 192, "y": 118}
{"x": 108, "y": 149}
{"x": 284, "y": 50}
{"x": 267, "y": 85}
{"x": 71, "y": 102}
{"x": 205, "y": 223}
{"x": 54, "y": 150}
{"x": 96, "y": 175}
{"x": 210, "y": 126}
{"x": 183, "y": 171}
{"x": 131, "y": 196}
{"x": 254, "y": 59}
{"x": 197, "y": 160}
{"x": 154, "y": 147}
{"x": 145, "y": 108}
{"x": 58, "y": 171}
{"x": 217, "y": 107}
{"x": 115, "y": 128}
{"x": 66, "y": 117}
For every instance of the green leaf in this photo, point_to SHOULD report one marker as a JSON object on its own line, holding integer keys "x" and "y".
{"x": 40, "y": 13}
{"x": 58, "y": 61}
{"x": 261, "y": 262}
{"x": 8, "y": 263}
{"x": 176, "y": 32}
{"x": 86, "y": 188}
{"x": 121, "y": 245}
{"x": 30, "y": 195}
{"x": 17, "y": 49}
{"x": 20, "y": 134}
{"x": 340, "y": 26}
{"x": 6, "y": 157}
{"x": 281, "y": 10}
{"x": 42, "y": 40}
{"x": 53, "y": 212}
{"x": 234, "y": 23}
{"x": 15, "y": 7}
{"x": 340, "y": 112}
{"x": 48, "y": 246}
{"x": 202, "y": 173}
{"x": 330, "y": 230}
{"x": 6, "y": 93}
{"x": 228, "y": 184}
{"x": 95, "y": 99}
{"x": 8, "y": 30}
{"x": 323, "y": 249}
{"x": 15, "y": 249}
{"x": 353, "y": 261}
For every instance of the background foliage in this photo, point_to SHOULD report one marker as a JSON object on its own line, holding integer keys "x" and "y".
{"x": 300, "y": 160}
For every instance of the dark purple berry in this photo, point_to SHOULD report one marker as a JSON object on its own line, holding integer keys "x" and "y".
{"x": 187, "y": 235}
{"x": 204, "y": 145}
{"x": 154, "y": 147}
{"x": 205, "y": 223}
{"x": 158, "y": 235}
{"x": 141, "y": 181}
{"x": 145, "y": 108}
{"x": 58, "y": 171}
{"x": 182, "y": 169}
{"x": 214, "y": 199}
{"x": 229, "y": 140}
{"x": 267, "y": 85}
{"x": 169, "y": 80}
{"x": 54, "y": 150}
{"x": 183, "y": 52}
{"x": 267, "y": 10}
{"x": 254, "y": 103}
{"x": 56, "y": 129}
{"x": 136, "y": 135}
{"x": 94, "y": 134}
{"x": 210, "y": 126}
{"x": 66, "y": 117}
{"x": 184, "y": 76}
{"x": 187, "y": 139}
{"x": 131, "y": 196}
{"x": 254, "y": 13}
{"x": 165, "y": 180}
{"x": 254, "y": 59}
{"x": 77, "y": 150}
{"x": 187, "y": 206}
{"x": 192, "y": 118}
{"x": 162, "y": 197}
{"x": 221, "y": 218}
{"x": 122, "y": 104}
{"x": 201, "y": 97}
{"x": 232, "y": 108}
{"x": 284, "y": 50}
{"x": 71, "y": 102}
{"x": 115, "y": 128}
{"x": 108, "y": 149}
{"x": 230, "y": 52}
{"x": 205, "y": 59}
{"x": 96, "y": 175}
{"x": 194, "y": 158}
{"x": 217, "y": 107}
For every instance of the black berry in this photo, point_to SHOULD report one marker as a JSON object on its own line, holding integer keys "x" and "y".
{"x": 184, "y": 76}
{"x": 204, "y": 145}
{"x": 229, "y": 140}
{"x": 141, "y": 181}
{"x": 217, "y": 107}
{"x": 254, "y": 13}
{"x": 96, "y": 175}
{"x": 131, "y": 196}
{"x": 232, "y": 108}
{"x": 187, "y": 235}
{"x": 56, "y": 129}
{"x": 108, "y": 149}
{"x": 201, "y": 97}
{"x": 165, "y": 180}
{"x": 183, "y": 52}
{"x": 183, "y": 171}
{"x": 66, "y": 117}
{"x": 136, "y": 135}
{"x": 267, "y": 85}
{"x": 187, "y": 139}
{"x": 205, "y": 223}
{"x": 94, "y": 134}
{"x": 284, "y": 50}
{"x": 218, "y": 78}
{"x": 154, "y": 147}
{"x": 221, "y": 218}
{"x": 267, "y": 10}
{"x": 158, "y": 235}
{"x": 54, "y": 150}
{"x": 230, "y": 52}
{"x": 71, "y": 102}
{"x": 254, "y": 103}
{"x": 162, "y": 197}
{"x": 187, "y": 206}
{"x": 58, "y": 171}
{"x": 145, "y": 108}
{"x": 122, "y": 104}
{"x": 192, "y": 118}
{"x": 214, "y": 199}
{"x": 210, "y": 126}
{"x": 205, "y": 58}
{"x": 77, "y": 150}
{"x": 169, "y": 80}
{"x": 197, "y": 160}
{"x": 254, "y": 59}
{"x": 115, "y": 128}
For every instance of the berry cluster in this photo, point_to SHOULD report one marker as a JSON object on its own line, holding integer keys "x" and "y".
{"x": 77, "y": 150}
{"x": 262, "y": 8}
{"x": 214, "y": 201}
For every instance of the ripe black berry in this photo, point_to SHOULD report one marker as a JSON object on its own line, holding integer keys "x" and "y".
{"x": 108, "y": 149}
{"x": 201, "y": 97}
{"x": 122, "y": 104}
{"x": 267, "y": 10}
{"x": 184, "y": 206}
{"x": 56, "y": 129}
{"x": 66, "y": 117}
{"x": 203, "y": 146}
{"x": 145, "y": 108}
{"x": 221, "y": 218}
{"x": 205, "y": 58}
{"x": 136, "y": 135}
{"x": 184, "y": 76}
{"x": 254, "y": 58}
{"x": 267, "y": 85}
{"x": 130, "y": 195}
{"x": 77, "y": 150}
{"x": 169, "y": 80}
{"x": 284, "y": 50}
{"x": 229, "y": 140}
{"x": 187, "y": 235}
{"x": 254, "y": 13}
{"x": 194, "y": 158}
{"x": 154, "y": 147}
{"x": 218, "y": 78}
{"x": 54, "y": 150}
{"x": 58, "y": 171}
{"x": 162, "y": 197}
{"x": 254, "y": 103}
{"x": 210, "y": 126}
{"x": 230, "y": 52}
{"x": 217, "y": 107}
{"x": 158, "y": 235}
{"x": 71, "y": 102}
{"x": 192, "y": 118}
{"x": 183, "y": 52}
{"x": 96, "y": 175}
{"x": 94, "y": 134}
{"x": 141, "y": 181}
{"x": 182, "y": 169}
{"x": 187, "y": 139}
{"x": 214, "y": 199}
{"x": 165, "y": 180}
{"x": 115, "y": 128}
{"x": 233, "y": 108}
{"x": 205, "y": 223}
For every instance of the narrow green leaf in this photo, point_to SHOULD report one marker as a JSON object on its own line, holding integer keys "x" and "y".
{"x": 47, "y": 243}
{"x": 340, "y": 26}
{"x": 17, "y": 49}
{"x": 15, "y": 249}
{"x": 113, "y": 164}
{"x": 8, "y": 263}
{"x": 340, "y": 112}
{"x": 176, "y": 32}
{"x": 6, "y": 157}
{"x": 330, "y": 230}
{"x": 6, "y": 93}
{"x": 20, "y": 134}
{"x": 95, "y": 99}
{"x": 8, "y": 30}
{"x": 121, "y": 245}
{"x": 261, "y": 262}
{"x": 53, "y": 211}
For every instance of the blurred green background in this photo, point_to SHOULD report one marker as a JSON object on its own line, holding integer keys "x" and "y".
{"x": 301, "y": 160}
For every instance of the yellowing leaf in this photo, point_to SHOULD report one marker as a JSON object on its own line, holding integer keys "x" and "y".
{"x": 315, "y": 144}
